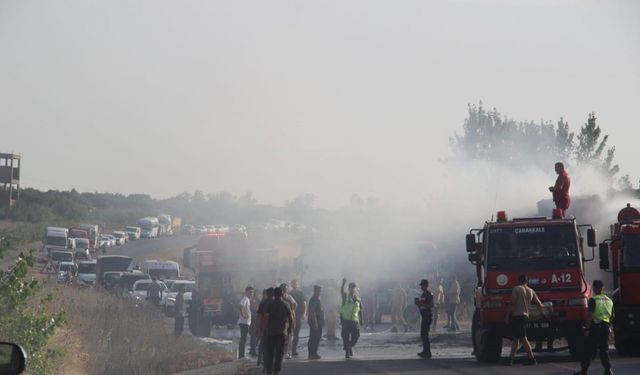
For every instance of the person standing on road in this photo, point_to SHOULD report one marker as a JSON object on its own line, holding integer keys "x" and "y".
{"x": 244, "y": 320}
{"x": 293, "y": 306}
{"x": 315, "y": 318}
{"x": 350, "y": 316}
{"x": 560, "y": 190}
{"x": 253, "y": 328}
{"x": 372, "y": 301}
{"x": 154, "y": 294}
{"x": 267, "y": 298}
{"x": 438, "y": 303}
{"x": 278, "y": 323}
{"x": 453, "y": 299}
{"x": 180, "y": 311}
{"x": 597, "y": 330}
{"x": 301, "y": 310}
{"x": 425, "y": 304}
{"x": 521, "y": 297}
{"x": 398, "y": 306}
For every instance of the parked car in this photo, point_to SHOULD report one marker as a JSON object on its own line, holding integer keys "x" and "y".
{"x": 126, "y": 281}
{"x": 86, "y": 272}
{"x": 66, "y": 272}
{"x": 120, "y": 237}
{"x": 61, "y": 256}
{"x": 140, "y": 289}
{"x": 170, "y": 300}
{"x": 82, "y": 254}
{"x": 133, "y": 232}
{"x": 83, "y": 243}
{"x": 111, "y": 279}
{"x": 106, "y": 240}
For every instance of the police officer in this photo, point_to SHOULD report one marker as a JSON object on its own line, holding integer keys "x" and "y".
{"x": 425, "y": 304}
{"x": 597, "y": 329}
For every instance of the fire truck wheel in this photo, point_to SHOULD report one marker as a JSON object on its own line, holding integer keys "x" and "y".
{"x": 487, "y": 344}
{"x": 624, "y": 347}
{"x": 576, "y": 347}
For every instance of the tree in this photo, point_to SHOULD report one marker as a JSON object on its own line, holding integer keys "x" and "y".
{"x": 21, "y": 321}
{"x": 591, "y": 148}
{"x": 487, "y": 135}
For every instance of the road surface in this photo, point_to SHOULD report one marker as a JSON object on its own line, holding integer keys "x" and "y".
{"x": 382, "y": 352}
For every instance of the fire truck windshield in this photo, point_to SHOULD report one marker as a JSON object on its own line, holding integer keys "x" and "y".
{"x": 532, "y": 248}
{"x": 631, "y": 252}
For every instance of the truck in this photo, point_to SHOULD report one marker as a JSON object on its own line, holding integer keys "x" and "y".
{"x": 166, "y": 225}
{"x": 624, "y": 266}
{"x": 149, "y": 227}
{"x": 133, "y": 232}
{"x": 54, "y": 238}
{"x": 94, "y": 234}
{"x": 112, "y": 263}
{"x": 550, "y": 252}
{"x": 224, "y": 265}
{"x": 162, "y": 270}
{"x": 76, "y": 232}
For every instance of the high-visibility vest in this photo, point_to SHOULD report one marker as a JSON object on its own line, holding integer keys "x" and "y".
{"x": 350, "y": 309}
{"x": 603, "y": 310}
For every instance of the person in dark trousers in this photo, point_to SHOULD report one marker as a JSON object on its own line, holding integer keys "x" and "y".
{"x": 315, "y": 318}
{"x": 597, "y": 329}
{"x": 425, "y": 304}
{"x": 154, "y": 293}
{"x": 254, "y": 327}
{"x": 351, "y": 317}
{"x": 244, "y": 320}
{"x": 278, "y": 323}
{"x": 521, "y": 298}
{"x": 180, "y": 308}
{"x": 560, "y": 190}
{"x": 267, "y": 298}
{"x": 301, "y": 310}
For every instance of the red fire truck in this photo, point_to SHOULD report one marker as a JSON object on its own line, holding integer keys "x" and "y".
{"x": 624, "y": 246}
{"x": 549, "y": 251}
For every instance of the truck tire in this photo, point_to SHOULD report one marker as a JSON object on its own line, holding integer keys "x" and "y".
{"x": 624, "y": 347}
{"x": 576, "y": 347}
{"x": 204, "y": 327}
{"x": 487, "y": 344}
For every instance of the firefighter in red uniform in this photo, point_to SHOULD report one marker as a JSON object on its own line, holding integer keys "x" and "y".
{"x": 561, "y": 189}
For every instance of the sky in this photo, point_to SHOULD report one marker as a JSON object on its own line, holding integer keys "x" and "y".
{"x": 281, "y": 98}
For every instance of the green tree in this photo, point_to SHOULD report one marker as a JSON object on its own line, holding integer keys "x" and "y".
{"x": 591, "y": 147}
{"x": 31, "y": 325}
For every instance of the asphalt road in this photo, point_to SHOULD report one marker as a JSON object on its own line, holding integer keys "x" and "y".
{"x": 447, "y": 366}
{"x": 383, "y": 352}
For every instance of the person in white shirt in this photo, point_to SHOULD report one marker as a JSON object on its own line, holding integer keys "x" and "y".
{"x": 244, "y": 321}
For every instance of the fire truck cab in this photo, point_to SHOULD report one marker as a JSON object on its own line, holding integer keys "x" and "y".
{"x": 624, "y": 246}
{"x": 549, "y": 251}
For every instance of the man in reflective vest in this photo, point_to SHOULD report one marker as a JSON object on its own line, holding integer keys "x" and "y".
{"x": 351, "y": 317}
{"x": 597, "y": 329}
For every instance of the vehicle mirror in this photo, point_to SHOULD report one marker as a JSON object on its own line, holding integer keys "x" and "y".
{"x": 604, "y": 256}
{"x": 473, "y": 257}
{"x": 591, "y": 237}
{"x": 12, "y": 359}
{"x": 471, "y": 243}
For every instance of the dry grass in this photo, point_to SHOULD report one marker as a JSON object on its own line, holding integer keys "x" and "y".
{"x": 119, "y": 338}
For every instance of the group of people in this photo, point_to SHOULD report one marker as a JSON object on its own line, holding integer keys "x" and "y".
{"x": 596, "y": 329}
{"x": 273, "y": 323}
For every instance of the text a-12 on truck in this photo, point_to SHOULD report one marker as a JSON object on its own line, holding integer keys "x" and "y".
{"x": 550, "y": 252}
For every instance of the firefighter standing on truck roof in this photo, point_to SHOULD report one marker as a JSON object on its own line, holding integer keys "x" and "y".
{"x": 597, "y": 329}
{"x": 560, "y": 190}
